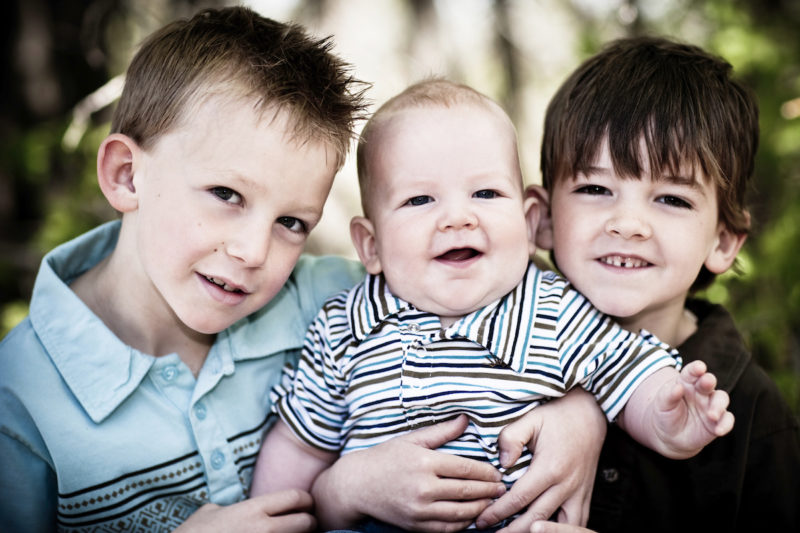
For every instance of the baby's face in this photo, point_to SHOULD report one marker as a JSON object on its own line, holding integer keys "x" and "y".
{"x": 635, "y": 246}
{"x": 447, "y": 208}
{"x": 226, "y": 202}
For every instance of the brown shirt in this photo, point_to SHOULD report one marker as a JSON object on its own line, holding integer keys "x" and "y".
{"x": 748, "y": 480}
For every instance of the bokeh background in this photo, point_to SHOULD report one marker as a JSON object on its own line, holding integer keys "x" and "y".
{"x": 63, "y": 62}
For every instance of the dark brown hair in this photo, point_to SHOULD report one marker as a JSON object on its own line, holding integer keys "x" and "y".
{"x": 678, "y": 100}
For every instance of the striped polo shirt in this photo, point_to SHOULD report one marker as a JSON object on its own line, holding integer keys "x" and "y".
{"x": 373, "y": 366}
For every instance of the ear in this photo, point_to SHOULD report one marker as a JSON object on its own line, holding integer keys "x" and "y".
{"x": 116, "y": 160}
{"x": 726, "y": 248}
{"x": 543, "y": 228}
{"x": 362, "y": 232}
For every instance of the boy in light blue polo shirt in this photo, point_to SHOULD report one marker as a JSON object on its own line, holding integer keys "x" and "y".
{"x": 136, "y": 390}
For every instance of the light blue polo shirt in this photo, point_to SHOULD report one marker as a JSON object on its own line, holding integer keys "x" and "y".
{"x": 95, "y": 434}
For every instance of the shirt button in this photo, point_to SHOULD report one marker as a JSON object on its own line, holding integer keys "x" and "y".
{"x": 413, "y": 328}
{"x": 200, "y": 411}
{"x": 610, "y": 475}
{"x": 169, "y": 372}
{"x": 217, "y": 460}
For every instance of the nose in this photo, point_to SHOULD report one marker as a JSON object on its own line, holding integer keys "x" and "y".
{"x": 457, "y": 215}
{"x": 628, "y": 225}
{"x": 250, "y": 247}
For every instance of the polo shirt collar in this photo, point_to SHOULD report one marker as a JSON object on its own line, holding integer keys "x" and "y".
{"x": 504, "y": 328}
{"x": 371, "y": 303}
{"x": 99, "y": 369}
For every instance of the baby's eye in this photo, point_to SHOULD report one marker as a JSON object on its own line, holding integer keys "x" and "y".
{"x": 293, "y": 224}
{"x": 419, "y": 200}
{"x": 594, "y": 190}
{"x": 674, "y": 201}
{"x": 486, "y": 194}
{"x": 227, "y": 195}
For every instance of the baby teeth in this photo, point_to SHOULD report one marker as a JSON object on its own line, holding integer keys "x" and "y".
{"x": 222, "y": 284}
{"x": 624, "y": 262}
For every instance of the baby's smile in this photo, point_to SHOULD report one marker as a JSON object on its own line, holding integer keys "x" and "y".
{"x": 459, "y": 254}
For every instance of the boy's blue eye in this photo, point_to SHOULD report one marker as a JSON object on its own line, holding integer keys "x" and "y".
{"x": 592, "y": 190}
{"x": 486, "y": 194}
{"x": 293, "y": 224}
{"x": 675, "y": 201}
{"x": 419, "y": 200}
{"x": 227, "y": 195}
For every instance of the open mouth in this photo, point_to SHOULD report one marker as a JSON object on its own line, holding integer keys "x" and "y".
{"x": 224, "y": 286}
{"x": 624, "y": 261}
{"x": 459, "y": 254}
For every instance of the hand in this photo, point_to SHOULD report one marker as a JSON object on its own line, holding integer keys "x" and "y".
{"x": 553, "y": 527}
{"x": 287, "y": 511}
{"x": 690, "y": 412}
{"x": 565, "y": 437}
{"x": 405, "y": 482}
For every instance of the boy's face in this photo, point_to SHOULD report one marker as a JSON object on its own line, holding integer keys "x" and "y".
{"x": 446, "y": 203}
{"x": 635, "y": 246}
{"x": 225, "y": 203}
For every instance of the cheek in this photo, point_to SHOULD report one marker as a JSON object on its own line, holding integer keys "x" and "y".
{"x": 400, "y": 240}
{"x": 280, "y": 263}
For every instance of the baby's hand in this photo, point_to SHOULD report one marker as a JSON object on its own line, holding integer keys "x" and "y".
{"x": 690, "y": 412}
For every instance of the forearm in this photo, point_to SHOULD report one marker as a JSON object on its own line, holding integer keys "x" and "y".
{"x": 638, "y": 417}
{"x": 334, "y": 501}
{"x": 285, "y": 462}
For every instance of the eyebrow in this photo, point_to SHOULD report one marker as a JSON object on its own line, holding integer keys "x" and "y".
{"x": 684, "y": 181}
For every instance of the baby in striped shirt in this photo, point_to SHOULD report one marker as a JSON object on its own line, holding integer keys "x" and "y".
{"x": 453, "y": 318}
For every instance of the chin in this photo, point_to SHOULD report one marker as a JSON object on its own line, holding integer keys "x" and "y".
{"x": 617, "y": 309}
{"x": 205, "y": 326}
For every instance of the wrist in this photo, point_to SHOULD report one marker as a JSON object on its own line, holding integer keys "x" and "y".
{"x": 335, "y": 500}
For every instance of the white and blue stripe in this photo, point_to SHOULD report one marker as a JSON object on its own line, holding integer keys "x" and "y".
{"x": 374, "y": 367}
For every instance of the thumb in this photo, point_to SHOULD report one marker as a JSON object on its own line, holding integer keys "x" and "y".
{"x": 437, "y": 435}
{"x": 669, "y": 396}
{"x": 515, "y": 436}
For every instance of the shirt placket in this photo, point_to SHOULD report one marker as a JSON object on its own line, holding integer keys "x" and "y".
{"x": 413, "y": 377}
{"x": 195, "y": 399}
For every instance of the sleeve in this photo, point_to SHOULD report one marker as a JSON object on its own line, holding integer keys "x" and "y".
{"x": 28, "y": 493}
{"x": 311, "y": 400}
{"x": 602, "y": 357}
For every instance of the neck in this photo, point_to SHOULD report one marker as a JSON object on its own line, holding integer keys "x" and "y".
{"x": 673, "y": 324}
{"x": 130, "y": 313}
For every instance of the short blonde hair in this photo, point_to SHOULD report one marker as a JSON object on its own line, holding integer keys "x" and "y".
{"x": 236, "y": 50}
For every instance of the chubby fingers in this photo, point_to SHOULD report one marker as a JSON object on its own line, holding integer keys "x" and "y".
{"x": 718, "y": 412}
